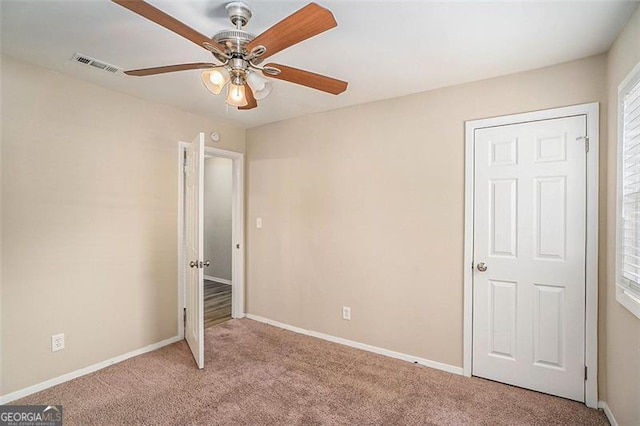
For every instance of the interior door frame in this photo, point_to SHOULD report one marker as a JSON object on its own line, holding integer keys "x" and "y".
{"x": 591, "y": 111}
{"x": 237, "y": 232}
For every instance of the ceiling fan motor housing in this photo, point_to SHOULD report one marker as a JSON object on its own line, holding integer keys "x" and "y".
{"x": 235, "y": 42}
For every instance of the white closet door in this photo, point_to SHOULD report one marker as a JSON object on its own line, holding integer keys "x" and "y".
{"x": 529, "y": 225}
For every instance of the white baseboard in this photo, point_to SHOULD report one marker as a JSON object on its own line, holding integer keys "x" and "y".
{"x": 218, "y": 280}
{"x": 84, "y": 371}
{"x": 607, "y": 412}
{"x": 381, "y": 351}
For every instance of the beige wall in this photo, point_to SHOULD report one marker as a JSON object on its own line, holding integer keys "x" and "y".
{"x": 218, "y": 191}
{"x": 622, "y": 328}
{"x": 363, "y": 207}
{"x": 89, "y": 213}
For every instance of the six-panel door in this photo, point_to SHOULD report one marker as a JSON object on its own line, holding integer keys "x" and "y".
{"x": 529, "y": 230}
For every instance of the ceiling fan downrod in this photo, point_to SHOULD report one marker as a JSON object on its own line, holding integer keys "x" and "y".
{"x": 239, "y": 13}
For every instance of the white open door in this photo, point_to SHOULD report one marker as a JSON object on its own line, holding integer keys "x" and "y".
{"x": 194, "y": 229}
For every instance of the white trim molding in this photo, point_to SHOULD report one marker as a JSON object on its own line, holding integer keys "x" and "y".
{"x": 591, "y": 111}
{"x": 218, "y": 280}
{"x": 363, "y": 346}
{"x": 607, "y": 412}
{"x": 4, "y": 399}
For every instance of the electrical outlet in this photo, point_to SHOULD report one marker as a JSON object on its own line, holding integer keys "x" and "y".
{"x": 346, "y": 313}
{"x": 259, "y": 223}
{"x": 57, "y": 342}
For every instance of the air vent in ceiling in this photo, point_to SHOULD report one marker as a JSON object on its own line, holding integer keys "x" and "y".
{"x": 87, "y": 60}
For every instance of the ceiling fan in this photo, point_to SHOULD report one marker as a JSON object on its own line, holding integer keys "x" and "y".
{"x": 241, "y": 53}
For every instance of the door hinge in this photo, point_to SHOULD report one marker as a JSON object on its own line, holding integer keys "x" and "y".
{"x": 585, "y": 372}
{"x": 586, "y": 142}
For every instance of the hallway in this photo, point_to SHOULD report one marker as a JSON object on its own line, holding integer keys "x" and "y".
{"x": 217, "y": 303}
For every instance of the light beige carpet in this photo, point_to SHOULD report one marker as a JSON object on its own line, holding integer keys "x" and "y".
{"x": 261, "y": 375}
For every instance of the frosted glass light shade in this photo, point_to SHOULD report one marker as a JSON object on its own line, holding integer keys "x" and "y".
{"x": 260, "y": 86}
{"x": 215, "y": 79}
{"x": 237, "y": 96}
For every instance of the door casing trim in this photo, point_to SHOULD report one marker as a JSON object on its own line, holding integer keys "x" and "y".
{"x": 592, "y": 112}
{"x": 237, "y": 233}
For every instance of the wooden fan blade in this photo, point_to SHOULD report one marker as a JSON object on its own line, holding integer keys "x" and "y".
{"x": 252, "y": 103}
{"x": 307, "y": 22}
{"x": 309, "y": 79}
{"x": 169, "y": 22}
{"x": 170, "y": 68}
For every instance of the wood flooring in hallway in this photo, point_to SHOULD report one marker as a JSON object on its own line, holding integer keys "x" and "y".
{"x": 217, "y": 303}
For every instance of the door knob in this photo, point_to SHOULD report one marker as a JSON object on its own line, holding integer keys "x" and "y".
{"x": 193, "y": 264}
{"x": 207, "y": 263}
{"x": 481, "y": 266}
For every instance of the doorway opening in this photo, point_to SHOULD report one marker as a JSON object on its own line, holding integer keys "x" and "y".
{"x": 210, "y": 239}
{"x": 218, "y": 244}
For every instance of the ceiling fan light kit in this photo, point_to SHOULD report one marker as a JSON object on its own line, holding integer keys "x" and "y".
{"x": 240, "y": 53}
{"x": 260, "y": 86}
{"x": 215, "y": 79}
{"x": 236, "y": 95}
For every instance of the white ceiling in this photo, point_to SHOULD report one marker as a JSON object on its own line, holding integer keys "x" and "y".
{"x": 383, "y": 49}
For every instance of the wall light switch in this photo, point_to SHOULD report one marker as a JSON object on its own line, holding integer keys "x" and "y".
{"x": 259, "y": 223}
{"x": 57, "y": 342}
